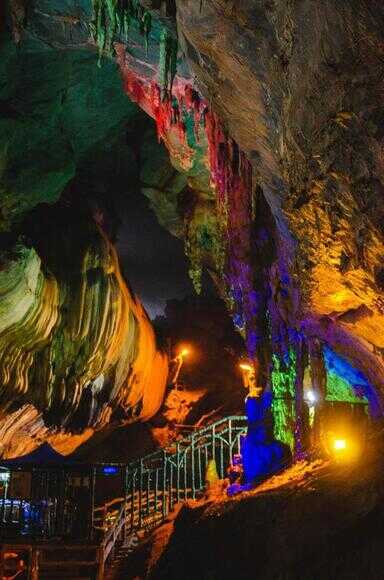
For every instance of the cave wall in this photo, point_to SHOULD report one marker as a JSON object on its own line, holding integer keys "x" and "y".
{"x": 286, "y": 223}
{"x": 289, "y": 221}
{"x": 77, "y": 349}
{"x": 298, "y": 87}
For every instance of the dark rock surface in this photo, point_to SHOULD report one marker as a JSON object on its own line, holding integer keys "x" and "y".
{"x": 327, "y": 524}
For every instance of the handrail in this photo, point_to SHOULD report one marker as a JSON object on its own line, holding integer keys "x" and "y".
{"x": 113, "y": 533}
{"x": 103, "y": 517}
{"x": 157, "y": 482}
{"x": 109, "y": 504}
{"x": 188, "y": 439}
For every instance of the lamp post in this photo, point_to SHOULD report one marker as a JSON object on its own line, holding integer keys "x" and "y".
{"x": 249, "y": 378}
{"x": 179, "y": 359}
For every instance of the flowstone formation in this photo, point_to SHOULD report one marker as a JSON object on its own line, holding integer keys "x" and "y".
{"x": 271, "y": 114}
{"x": 75, "y": 343}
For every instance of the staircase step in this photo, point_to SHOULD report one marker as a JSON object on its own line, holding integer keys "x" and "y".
{"x": 66, "y": 563}
{"x": 43, "y": 576}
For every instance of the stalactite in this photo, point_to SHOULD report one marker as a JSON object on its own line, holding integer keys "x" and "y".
{"x": 167, "y": 60}
{"x": 113, "y": 18}
{"x": 146, "y": 27}
{"x": 232, "y": 177}
{"x": 193, "y": 103}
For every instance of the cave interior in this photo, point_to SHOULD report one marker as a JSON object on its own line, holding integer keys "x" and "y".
{"x": 206, "y": 171}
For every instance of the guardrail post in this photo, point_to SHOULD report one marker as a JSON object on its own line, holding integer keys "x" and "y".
{"x": 221, "y": 458}
{"x": 185, "y": 453}
{"x": 193, "y": 468}
{"x": 156, "y": 489}
{"x": 148, "y": 475}
{"x": 34, "y": 564}
{"x": 133, "y": 497}
{"x": 164, "y": 486}
{"x": 141, "y": 494}
{"x": 230, "y": 440}
{"x": 178, "y": 472}
{"x": 125, "y": 504}
{"x": 170, "y": 487}
{"x": 92, "y": 484}
{"x": 101, "y": 564}
{"x": 214, "y": 442}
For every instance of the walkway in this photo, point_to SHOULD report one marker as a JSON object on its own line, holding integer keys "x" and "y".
{"x": 155, "y": 484}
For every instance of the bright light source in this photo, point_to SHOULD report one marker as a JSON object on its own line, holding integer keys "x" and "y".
{"x": 184, "y": 352}
{"x": 246, "y": 367}
{"x": 110, "y": 470}
{"x": 344, "y": 446}
{"x": 4, "y": 476}
{"x": 339, "y": 444}
{"x": 311, "y": 397}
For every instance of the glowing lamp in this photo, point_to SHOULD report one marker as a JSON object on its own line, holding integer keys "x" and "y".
{"x": 184, "y": 352}
{"x": 339, "y": 444}
{"x": 311, "y": 397}
{"x": 245, "y": 367}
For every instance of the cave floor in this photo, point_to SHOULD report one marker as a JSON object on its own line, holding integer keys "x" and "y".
{"x": 322, "y": 520}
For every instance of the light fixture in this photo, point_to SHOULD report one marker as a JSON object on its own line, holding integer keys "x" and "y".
{"x": 339, "y": 444}
{"x": 246, "y": 367}
{"x": 4, "y": 477}
{"x": 110, "y": 470}
{"x": 311, "y": 397}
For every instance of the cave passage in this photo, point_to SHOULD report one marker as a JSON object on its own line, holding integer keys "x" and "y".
{"x": 143, "y": 190}
{"x": 191, "y": 278}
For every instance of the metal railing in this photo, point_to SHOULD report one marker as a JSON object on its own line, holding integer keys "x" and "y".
{"x": 157, "y": 482}
{"x": 39, "y": 519}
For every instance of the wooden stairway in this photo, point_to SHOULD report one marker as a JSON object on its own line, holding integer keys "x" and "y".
{"x": 52, "y": 562}
{"x": 119, "y": 565}
{"x": 70, "y": 562}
